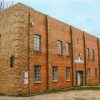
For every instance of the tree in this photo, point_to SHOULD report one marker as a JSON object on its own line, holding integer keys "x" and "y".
{"x": 1, "y": 5}
{"x": 4, "y": 5}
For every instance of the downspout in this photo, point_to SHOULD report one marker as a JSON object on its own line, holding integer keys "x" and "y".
{"x": 85, "y": 58}
{"x": 72, "y": 56}
{"x": 47, "y": 53}
{"x": 28, "y": 45}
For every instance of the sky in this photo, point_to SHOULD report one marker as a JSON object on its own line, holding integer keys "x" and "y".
{"x": 82, "y": 14}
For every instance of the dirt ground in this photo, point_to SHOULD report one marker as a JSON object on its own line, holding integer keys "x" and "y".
{"x": 69, "y": 95}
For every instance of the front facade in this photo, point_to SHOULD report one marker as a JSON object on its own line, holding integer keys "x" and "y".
{"x": 59, "y": 41}
{"x": 39, "y": 53}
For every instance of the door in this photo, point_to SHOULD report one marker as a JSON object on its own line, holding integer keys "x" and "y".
{"x": 79, "y": 78}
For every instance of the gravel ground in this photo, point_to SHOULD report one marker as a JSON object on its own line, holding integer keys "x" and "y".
{"x": 69, "y": 95}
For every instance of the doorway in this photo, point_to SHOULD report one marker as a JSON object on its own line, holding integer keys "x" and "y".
{"x": 79, "y": 78}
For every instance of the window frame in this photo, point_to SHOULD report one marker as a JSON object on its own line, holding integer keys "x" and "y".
{"x": 92, "y": 54}
{"x": 96, "y": 73}
{"x": 68, "y": 49}
{"x": 68, "y": 74}
{"x": 88, "y": 73}
{"x": 37, "y": 42}
{"x": 59, "y": 47}
{"x": 37, "y": 74}
{"x": 26, "y": 78}
{"x": 54, "y": 73}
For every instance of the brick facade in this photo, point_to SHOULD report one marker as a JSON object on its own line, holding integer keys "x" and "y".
{"x": 91, "y": 42}
{"x": 78, "y": 51}
{"x": 58, "y": 31}
{"x": 18, "y": 25}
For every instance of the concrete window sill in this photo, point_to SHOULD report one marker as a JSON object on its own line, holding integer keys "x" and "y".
{"x": 55, "y": 81}
{"x": 37, "y": 51}
{"x": 68, "y": 80}
{"x": 37, "y": 82}
{"x": 88, "y": 78}
{"x": 60, "y": 55}
{"x": 68, "y": 55}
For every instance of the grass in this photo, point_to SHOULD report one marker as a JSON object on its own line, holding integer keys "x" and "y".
{"x": 80, "y": 99}
{"x": 87, "y": 88}
{"x": 58, "y": 90}
{"x": 69, "y": 89}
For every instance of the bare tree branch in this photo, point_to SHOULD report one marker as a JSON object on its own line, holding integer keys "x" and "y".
{"x": 4, "y": 5}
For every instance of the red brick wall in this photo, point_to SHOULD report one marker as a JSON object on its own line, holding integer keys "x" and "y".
{"x": 91, "y": 43}
{"x": 78, "y": 48}
{"x": 58, "y": 31}
{"x": 38, "y": 58}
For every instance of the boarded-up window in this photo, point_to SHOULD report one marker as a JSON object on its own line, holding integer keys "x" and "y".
{"x": 68, "y": 49}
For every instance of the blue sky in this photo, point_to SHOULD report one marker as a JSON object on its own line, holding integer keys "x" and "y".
{"x": 82, "y": 14}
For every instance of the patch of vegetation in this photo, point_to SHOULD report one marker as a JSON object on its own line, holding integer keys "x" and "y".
{"x": 78, "y": 98}
{"x": 87, "y": 88}
{"x": 68, "y": 89}
{"x": 2, "y": 94}
{"x": 58, "y": 90}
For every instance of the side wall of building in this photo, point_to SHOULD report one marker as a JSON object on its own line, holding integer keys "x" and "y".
{"x": 12, "y": 50}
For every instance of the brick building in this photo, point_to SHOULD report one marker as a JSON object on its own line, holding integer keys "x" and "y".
{"x": 39, "y": 53}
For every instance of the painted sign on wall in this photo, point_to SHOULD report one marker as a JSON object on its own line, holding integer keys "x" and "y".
{"x": 78, "y": 60}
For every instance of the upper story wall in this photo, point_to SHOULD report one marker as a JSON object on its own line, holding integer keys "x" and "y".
{"x": 78, "y": 43}
{"x": 58, "y": 31}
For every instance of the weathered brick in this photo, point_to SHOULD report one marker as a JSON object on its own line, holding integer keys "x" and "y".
{"x": 17, "y": 33}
